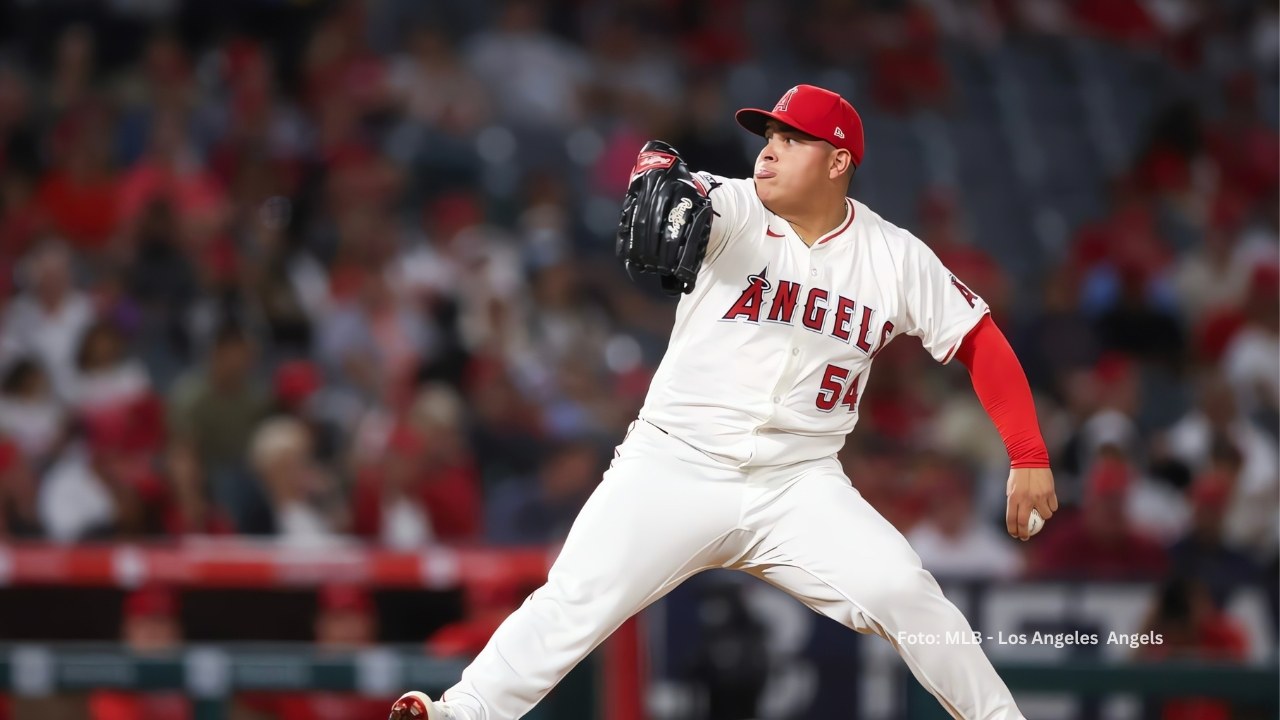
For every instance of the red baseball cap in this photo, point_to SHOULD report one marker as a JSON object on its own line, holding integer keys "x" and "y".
{"x": 1211, "y": 490}
{"x": 151, "y": 601}
{"x": 1109, "y": 476}
{"x": 343, "y": 597}
{"x": 295, "y": 381}
{"x": 820, "y": 113}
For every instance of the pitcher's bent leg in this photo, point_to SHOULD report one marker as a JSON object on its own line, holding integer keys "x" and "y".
{"x": 825, "y": 545}
{"x": 646, "y": 528}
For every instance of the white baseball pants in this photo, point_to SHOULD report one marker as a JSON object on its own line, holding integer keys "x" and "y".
{"x": 665, "y": 511}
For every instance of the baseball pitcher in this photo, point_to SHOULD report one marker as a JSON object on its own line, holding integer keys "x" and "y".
{"x": 788, "y": 291}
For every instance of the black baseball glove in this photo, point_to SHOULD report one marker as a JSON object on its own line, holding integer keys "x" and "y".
{"x": 666, "y": 219}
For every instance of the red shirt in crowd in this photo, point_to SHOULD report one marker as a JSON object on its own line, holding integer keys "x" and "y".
{"x": 1072, "y": 551}
{"x": 115, "y": 705}
{"x": 85, "y": 213}
{"x": 316, "y": 706}
{"x": 448, "y": 493}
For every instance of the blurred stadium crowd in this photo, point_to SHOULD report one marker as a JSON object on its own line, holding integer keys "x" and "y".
{"x": 323, "y": 270}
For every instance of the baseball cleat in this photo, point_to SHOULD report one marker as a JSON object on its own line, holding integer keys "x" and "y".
{"x": 415, "y": 705}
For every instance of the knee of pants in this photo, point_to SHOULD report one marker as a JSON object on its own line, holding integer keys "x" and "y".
{"x": 577, "y": 609}
{"x": 895, "y": 592}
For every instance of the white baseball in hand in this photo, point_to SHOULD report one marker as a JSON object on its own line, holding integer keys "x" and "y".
{"x": 1035, "y": 522}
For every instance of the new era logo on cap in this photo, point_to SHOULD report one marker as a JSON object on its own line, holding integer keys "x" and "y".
{"x": 814, "y": 111}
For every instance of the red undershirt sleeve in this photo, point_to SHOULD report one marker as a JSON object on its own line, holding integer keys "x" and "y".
{"x": 1002, "y": 388}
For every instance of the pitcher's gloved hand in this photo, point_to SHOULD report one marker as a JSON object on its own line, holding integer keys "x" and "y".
{"x": 666, "y": 219}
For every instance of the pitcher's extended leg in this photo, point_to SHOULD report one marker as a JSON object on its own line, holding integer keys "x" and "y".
{"x": 655, "y": 519}
{"x": 820, "y": 541}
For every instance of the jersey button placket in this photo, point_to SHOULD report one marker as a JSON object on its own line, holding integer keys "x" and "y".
{"x": 792, "y": 364}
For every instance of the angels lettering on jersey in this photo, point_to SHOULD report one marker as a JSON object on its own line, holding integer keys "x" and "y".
{"x": 819, "y": 313}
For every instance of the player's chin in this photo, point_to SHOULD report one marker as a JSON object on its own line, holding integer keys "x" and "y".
{"x": 767, "y": 188}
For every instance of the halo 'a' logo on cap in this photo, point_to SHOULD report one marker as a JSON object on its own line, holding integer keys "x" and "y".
{"x": 786, "y": 100}
{"x": 839, "y": 133}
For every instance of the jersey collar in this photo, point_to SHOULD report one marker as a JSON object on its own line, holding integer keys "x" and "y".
{"x": 786, "y": 231}
{"x": 848, "y": 220}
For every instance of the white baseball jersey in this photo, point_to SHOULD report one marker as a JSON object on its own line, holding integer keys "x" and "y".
{"x": 771, "y": 351}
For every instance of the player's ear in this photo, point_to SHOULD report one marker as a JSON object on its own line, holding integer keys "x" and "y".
{"x": 841, "y": 163}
